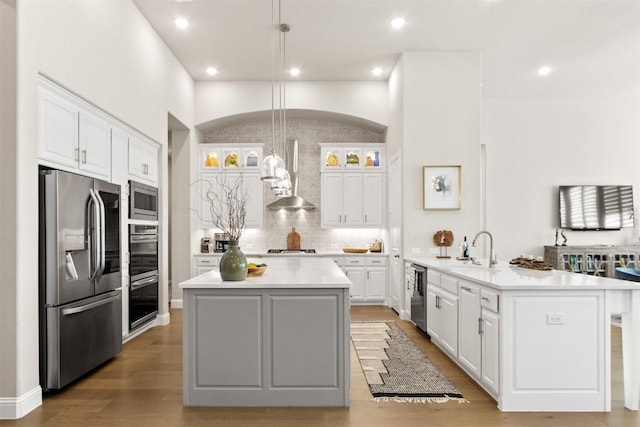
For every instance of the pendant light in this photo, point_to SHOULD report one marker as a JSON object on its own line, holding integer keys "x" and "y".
{"x": 282, "y": 187}
{"x": 272, "y": 162}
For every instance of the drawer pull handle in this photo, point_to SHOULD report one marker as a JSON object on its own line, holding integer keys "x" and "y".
{"x": 485, "y": 299}
{"x": 466, "y": 288}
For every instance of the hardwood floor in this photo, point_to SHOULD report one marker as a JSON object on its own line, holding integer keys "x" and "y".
{"x": 143, "y": 387}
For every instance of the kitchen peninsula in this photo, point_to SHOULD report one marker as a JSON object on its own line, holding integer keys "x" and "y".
{"x": 281, "y": 339}
{"x": 534, "y": 340}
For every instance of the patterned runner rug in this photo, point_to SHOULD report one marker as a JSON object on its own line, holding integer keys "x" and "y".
{"x": 397, "y": 370}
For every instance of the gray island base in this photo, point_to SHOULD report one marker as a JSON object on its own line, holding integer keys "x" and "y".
{"x": 281, "y": 339}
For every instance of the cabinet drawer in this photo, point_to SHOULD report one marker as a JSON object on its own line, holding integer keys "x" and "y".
{"x": 339, "y": 261}
{"x": 433, "y": 277}
{"x": 490, "y": 300}
{"x": 449, "y": 284}
{"x": 376, "y": 262}
{"x": 353, "y": 261}
{"x": 207, "y": 262}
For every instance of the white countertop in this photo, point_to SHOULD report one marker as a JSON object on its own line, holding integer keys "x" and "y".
{"x": 508, "y": 277}
{"x": 282, "y": 272}
{"x": 319, "y": 253}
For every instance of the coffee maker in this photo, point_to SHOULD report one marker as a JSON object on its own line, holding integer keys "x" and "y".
{"x": 221, "y": 242}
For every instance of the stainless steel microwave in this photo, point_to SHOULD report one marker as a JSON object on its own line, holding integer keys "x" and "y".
{"x": 143, "y": 201}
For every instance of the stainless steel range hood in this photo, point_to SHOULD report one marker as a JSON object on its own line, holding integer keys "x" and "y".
{"x": 291, "y": 162}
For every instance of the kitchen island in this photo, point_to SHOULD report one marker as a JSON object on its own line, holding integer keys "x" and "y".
{"x": 534, "y": 340}
{"x": 280, "y": 339}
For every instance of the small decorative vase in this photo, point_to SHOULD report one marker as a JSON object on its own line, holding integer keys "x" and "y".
{"x": 233, "y": 264}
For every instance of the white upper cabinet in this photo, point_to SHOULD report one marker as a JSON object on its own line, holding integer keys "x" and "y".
{"x": 353, "y": 185}
{"x": 352, "y": 157}
{"x": 95, "y": 144}
{"x": 72, "y": 136}
{"x": 57, "y": 129}
{"x": 220, "y": 162}
{"x": 245, "y": 157}
{"x": 143, "y": 160}
{"x": 252, "y": 186}
{"x": 373, "y": 199}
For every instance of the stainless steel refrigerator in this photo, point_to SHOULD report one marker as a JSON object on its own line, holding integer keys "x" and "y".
{"x": 79, "y": 276}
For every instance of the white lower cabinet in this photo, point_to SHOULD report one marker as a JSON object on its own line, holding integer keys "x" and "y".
{"x": 491, "y": 350}
{"x": 203, "y": 264}
{"x": 356, "y": 275}
{"x": 469, "y": 328}
{"x": 442, "y": 316}
{"x": 368, "y": 276}
{"x": 479, "y": 334}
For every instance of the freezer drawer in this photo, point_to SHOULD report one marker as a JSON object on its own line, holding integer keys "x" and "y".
{"x": 79, "y": 337}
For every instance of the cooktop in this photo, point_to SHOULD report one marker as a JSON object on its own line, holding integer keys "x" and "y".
{"x": 288, "y": 251}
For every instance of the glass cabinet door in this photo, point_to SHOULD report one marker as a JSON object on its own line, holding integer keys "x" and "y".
{"x": 231, "y": 159}
{"x": 252, "y": 158}
{"x": 353, "y": 158}
{"x": 209, "y": 158}
{"x": 374, "y": 159}
{"x": 332, "y": 158}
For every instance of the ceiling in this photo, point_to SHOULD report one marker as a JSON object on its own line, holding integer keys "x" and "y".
{"x": 593, "y": 46}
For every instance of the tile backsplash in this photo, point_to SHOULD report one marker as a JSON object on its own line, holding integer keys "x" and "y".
{"x": 277, "y": 224}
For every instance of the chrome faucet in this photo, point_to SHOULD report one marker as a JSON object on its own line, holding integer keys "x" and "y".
{"x": 492, "y": 256}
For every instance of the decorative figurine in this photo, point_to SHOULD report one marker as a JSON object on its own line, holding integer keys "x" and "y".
{"x": 443, "y": 239}
{"x": 564, "y": 242}
{"x": 557, "y": 237}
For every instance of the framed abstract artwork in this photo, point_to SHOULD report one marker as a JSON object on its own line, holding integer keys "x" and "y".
{"x": 442, "y": 187}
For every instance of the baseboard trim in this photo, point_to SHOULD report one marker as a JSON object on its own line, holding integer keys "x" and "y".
{"x": 163, "y": 319}
{"x": 176, "y": 303}
{"x": 12, "y": 408}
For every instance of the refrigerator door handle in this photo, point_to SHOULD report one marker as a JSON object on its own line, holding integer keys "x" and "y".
{"x": 82, "y": 308}
{"x": 144, "y": 282}
{"x": 96, "y": 251}
{"x": 101, "y": 231}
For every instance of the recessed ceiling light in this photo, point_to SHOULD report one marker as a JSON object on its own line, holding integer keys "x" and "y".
{"x": 181, "y": 23}
{"x": 544, "y": 71}
{"x": 376, "y": 71}
{"x": 294, "y": 71}
{"x": 212, "y": 71}
{"x": 398, "y": 23}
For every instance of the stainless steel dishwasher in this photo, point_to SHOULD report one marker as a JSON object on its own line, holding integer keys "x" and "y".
{"x": 419, "y": 297}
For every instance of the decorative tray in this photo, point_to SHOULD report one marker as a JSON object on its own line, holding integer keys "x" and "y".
{"x": 531, "y": 263}
{"x": 355, "y": 250}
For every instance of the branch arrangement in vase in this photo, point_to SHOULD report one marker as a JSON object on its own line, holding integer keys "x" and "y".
{"x": 227, "y": 199}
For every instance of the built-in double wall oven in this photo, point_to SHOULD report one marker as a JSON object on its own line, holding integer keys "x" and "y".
{"x": 143, "y": 270}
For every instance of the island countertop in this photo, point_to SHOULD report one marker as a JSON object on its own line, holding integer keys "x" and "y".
{"x": 282, "y": 273}
{"x": 505, "y": 276}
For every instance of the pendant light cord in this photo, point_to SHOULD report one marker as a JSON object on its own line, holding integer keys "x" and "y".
{"x": 273, "y": 77}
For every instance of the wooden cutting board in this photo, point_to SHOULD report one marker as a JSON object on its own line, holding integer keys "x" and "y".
{"x": 293, "y": 241}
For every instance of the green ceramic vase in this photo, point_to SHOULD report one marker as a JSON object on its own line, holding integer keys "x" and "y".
{"x": 233, "y": 264}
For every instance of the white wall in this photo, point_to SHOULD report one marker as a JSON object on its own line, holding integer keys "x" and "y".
{"x": 106, "y": 52}
{"x": 441, "y": 126}
{"x": 367, "y": 100}
{"x": 9, "y": 293}
{"x": 534, "y": 145}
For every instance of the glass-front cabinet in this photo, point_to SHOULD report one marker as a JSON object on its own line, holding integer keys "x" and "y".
{"x": 352, "y": 185}
{"x": 597, "y": 260}
{"x": 215, "y": 157}
{"x": 352, "y": 156}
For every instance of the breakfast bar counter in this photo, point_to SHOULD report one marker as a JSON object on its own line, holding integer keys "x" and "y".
{"x": 280, "y": 339}
{"x": 535, "y": 340}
